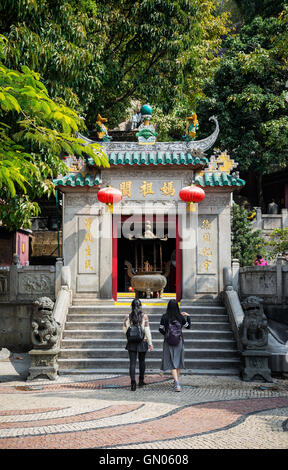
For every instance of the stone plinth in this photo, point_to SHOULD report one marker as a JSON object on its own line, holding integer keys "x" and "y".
{"x": 256, "y": 366}
{"x": 43, "y": 364}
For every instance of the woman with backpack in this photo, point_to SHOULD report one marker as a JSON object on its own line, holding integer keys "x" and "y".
{"x": 171, "y": 325}
{"x": 139, "y": 341}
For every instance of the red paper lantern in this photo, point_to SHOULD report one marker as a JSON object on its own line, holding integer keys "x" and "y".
{"x": 109, "y": 196}
{"x": 191, "y": 194}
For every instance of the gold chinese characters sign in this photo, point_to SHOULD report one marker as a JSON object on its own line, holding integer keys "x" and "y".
{"x": 148, "y": 189}
{"x": 87, "y": 252}
{"x": 207, "y": 245}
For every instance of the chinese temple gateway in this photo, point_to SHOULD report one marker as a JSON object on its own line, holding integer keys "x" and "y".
{"x": 151, "y": 242}
{"x": 154, "y": 225}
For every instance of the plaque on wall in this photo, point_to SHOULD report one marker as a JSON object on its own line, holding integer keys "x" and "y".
{"x": 207, "y": 247}
{"x": 88, "y": 241}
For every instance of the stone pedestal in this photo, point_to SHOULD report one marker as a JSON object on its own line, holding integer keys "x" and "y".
{"x": 256, "y": 366}
{"x": 43, "y": 364}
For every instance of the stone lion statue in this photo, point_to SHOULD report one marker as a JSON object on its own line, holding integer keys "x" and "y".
{"x": 254, "y": 331}
{"x": 45, "y": 329}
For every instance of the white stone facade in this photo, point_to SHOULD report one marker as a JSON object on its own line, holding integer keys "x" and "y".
{"x": 205, "y": 233}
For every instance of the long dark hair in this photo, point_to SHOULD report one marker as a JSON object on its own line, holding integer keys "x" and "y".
{"x": 136, "y": 314}
{"x": 173, "y": 312}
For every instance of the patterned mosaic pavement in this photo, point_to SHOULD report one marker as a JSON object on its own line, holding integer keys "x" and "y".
{"x": 100, "y": 412}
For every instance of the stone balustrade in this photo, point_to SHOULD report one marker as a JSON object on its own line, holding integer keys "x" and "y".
{"x": 268, "y": 282}
{"x": 269, "y": 222}
{"x": 19, "y": 288}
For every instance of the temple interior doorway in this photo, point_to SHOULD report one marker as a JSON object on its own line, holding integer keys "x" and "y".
{"x": 144, "y": 248}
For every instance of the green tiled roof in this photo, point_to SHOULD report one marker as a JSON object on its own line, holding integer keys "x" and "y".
{"x": 218, "y": 179}
{"x": 76, "y": 179}
{"x": 154, "y": 158}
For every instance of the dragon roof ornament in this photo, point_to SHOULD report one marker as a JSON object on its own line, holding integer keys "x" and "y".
{"x": 181, "y": 146}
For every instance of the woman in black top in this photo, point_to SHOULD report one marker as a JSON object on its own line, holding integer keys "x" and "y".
{"x": 137, "y": 317}
{"x": 173, "y": 355}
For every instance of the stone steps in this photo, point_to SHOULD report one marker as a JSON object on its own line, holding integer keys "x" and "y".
{"x": 93, "y": 340}
{"x": 113, "y": 372}
{"x": 150, "y": 310}
{"x": 154, "y": 318}
{"x": 151, "y": 363}
{"x": 117, "y": 326}
{"x": 75, "y": 353}
{"x": 212, "y": 344}
{"x": 97, "y": 334}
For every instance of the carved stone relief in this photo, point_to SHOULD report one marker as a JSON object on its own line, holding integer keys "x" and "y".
{"x": 35, "y": 283}
{"x": 3, "y": 283}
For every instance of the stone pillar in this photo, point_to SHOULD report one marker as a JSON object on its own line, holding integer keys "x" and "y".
{"x": 227, "y": 279}
{"x": 284, "y": 214}
{"x": 66, "y": 276}
{"x": 58, "y": 267}
{"x": 258, "y": 218}
{"x": 224, "y": 241}
{"x": 81, "y": 242}
{"x": 188, "y": 223}
{"x": 105, "y": 254}
{"x": 13, "y": 278}
{"x": 279, "y": 289}
{"x": 235, "y": 273}
{"x": 70, "y": 248}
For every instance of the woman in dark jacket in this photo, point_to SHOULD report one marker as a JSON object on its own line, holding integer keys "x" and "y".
{"x": 173, "y": 355}
{"x": 137, "y": 317}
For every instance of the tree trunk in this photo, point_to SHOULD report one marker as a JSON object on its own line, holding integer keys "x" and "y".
{"x": 260, "y": 197}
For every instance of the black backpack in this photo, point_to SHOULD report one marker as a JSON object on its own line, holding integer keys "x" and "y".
{"x": 173, "y": 333}
{"x": 135, "y": 334}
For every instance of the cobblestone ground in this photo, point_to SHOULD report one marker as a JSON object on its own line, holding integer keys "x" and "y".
{"x": 81, "y": 412}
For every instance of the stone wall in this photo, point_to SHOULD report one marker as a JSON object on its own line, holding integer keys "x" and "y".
{"x": 27, "y": 283}
{"x": 15, "y": 326}
{"x": 267, "y": 282}
{"x": 205, "y": 244}
{"x": 19, "y": 288}
{"x": 88, "y": 254}
{"x": 268, "y": 222}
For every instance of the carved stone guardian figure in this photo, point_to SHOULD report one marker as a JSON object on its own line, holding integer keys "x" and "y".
{"x": 254, "y": 336}
{"x": 45, "y": 329}
{"x": 254, "y": 328}
{"x": 45, "y": 332}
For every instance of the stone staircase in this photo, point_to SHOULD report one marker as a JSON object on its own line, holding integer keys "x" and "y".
{"x": 93, "y": 341}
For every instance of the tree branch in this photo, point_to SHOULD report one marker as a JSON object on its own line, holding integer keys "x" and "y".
{"x": 153, "y": 60}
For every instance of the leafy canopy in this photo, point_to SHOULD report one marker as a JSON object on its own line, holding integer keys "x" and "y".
{"x": 278, "y": 242}
{"x": 248, "y": 94}
{"x": 97, "y": 55}
{"x": 34, "y": 132}
{"x": 246, "y": 242}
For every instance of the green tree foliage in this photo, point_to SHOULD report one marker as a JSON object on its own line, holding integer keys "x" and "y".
{"x": 170, "y": 126}
{"x": 252, "y": 8}
{"x": 246, "y": 242}
{"x": 97, "y": 55}
{"x": 278, "y": 242}
{"x": 34, "y": 132}
{"x": 248, "y": 94}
